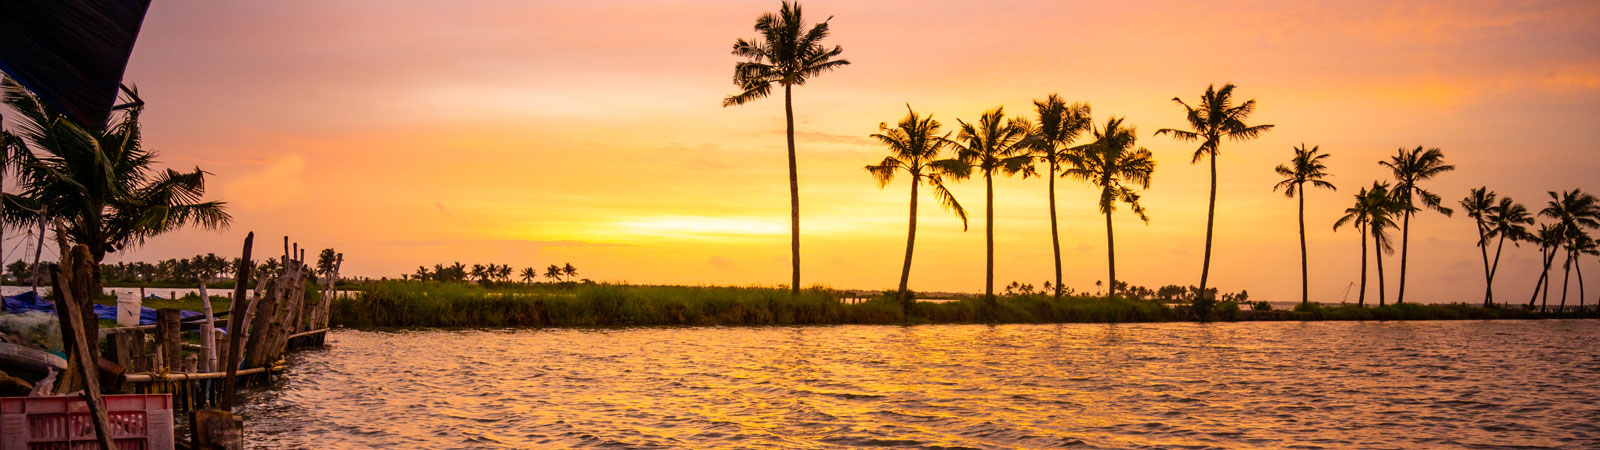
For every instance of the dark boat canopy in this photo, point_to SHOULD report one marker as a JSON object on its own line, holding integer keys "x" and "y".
{"x": 71, "y": 53}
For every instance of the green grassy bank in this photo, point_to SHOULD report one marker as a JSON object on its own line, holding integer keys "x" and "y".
{"x": 435, "y": 304}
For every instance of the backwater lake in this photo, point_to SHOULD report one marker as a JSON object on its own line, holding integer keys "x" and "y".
{"x": 1439, "y": 384}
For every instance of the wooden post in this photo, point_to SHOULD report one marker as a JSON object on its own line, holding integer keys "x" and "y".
{"x": 170, "y": 337}
{"x": 76, "y": 278}
{"x": 208, "y": 340}
{"x": 236, "y": 323}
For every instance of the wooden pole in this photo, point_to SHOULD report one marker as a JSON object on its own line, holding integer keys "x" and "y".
{"x": 38, "y": 250}
{"x": 170, "y": 336}
{"x": 236, "y": 323}
{"x": 208, "y": 339}
{"x": 76, "y": 277}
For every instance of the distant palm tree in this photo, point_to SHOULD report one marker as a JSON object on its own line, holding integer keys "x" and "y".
{"x": 1507, "y": 220}
{"x": 1112, "y": 164}
{"x": 914, "y": 147}
{"x": 553, "y": 272}
{"x": 1411, "y": 167}
{"x": 421, "y": 275}
{"x": 1213, "y": 119}
{"x": 1359, "y": 216}
{"x": 480, "y": 273}
{"x": 569, "y": 271}
{"x": 1581, "y": 245}
{"x": 992, "y": 144}
{"x": 1373, "y": 213}
{"x": 788, "y": 54}
{"x": 1575, "y": 211}
{"x": 1305, "y": 167}
{"x": 1549, "y": 237}
{"x": 529, "y": 274}
{"x": 1059, "y": 124}
{"x": 1479, "y": 205}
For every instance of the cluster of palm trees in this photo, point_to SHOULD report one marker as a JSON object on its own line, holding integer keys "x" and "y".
{"x": 1377, "y": 208}
{"x": 490, "y": 273}
{"x": 1499, "y": 218}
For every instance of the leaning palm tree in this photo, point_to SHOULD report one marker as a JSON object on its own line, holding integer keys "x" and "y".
{"x": 915, "y": 146}
{"x": 1507, "y": 220}
{"x": 529, "y": 274}
{"x": 1305, "y": 167}
{"x": 1214, "y": 118}
{"x": 786, "y": 53}
{"x": 1382, "y": 209}
{"x": 1112, "y": 164}
{"x": 99, "y": 186}
{"x": 1549, "y": 237}
{"x": 1581, "y": 245}
{"x": 1575, "y": 211}
{"x": 1050, "y": 141}
{"x": 1479, "y": 205}
{"x": 1411, "y": 167}
{"x": 989, "y": 145}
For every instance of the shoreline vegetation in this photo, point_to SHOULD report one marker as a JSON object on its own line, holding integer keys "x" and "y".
{"x": 410, "y": 304}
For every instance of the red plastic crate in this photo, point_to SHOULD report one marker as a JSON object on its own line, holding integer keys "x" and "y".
{"x": 138, "y": 422}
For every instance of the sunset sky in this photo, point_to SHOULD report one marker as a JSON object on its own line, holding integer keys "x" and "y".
{"x": 408, "y": 133}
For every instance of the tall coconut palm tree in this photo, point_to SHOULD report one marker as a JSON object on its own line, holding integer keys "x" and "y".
{"x": 1370, "y": 215}
{"x": 786, "y": 53}
{"x": 1411, "y": 167}
{"x": 1575, "y": 211}
{"x": 553, "y": 272}
{"x": 1112, "y": 164}
{"x": 1582, "y": 245}
{"x": 569, "y": 271}
{"x": 1050, "y": 140}
{"x": 1507, "y": 220}
{"x": 1305, "y": 167}
{"x": 915, "y": 147}
{"x": 1214, "y": 118}
{"x": 99, "y": 186}
{"x": 1479, "y": 205}
{"x": 529, "y": 274}
{"x": 992, "y": 145}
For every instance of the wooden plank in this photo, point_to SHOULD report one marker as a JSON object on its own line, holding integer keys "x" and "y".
{"x": 208, "y": 340}
{"x": 237, "y": 321}
{"x": 169, "y": 336}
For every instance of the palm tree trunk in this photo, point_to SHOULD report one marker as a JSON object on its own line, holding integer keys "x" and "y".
{"x": 1576, "y": 265}
{"x": 1483, "y": 248}
{"x": 1361, "y": 300}
{"x": 1545, "y": 260}
{"x": 1405, "y": 238}
{"x": 1494, "y": 269}
{"x": 1211, "y": 212}
{"x": 1566, "y": 275}
{"x": 794, "y": 195}
{"x": 1055, "y": 238}
{"x": 1378, "y": 256}
{"x": 911, "y": 241}
{"x": 1305, "y": 277}
{"x": 988, "y": 235}
{"x": 1111, "y": 256}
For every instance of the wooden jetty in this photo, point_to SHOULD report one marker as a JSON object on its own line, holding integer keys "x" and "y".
{"x": 274, "y": 318}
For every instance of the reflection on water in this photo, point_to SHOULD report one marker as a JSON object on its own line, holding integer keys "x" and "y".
{"x": 1244, "y": 385}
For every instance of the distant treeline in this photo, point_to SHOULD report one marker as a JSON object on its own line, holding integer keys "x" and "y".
{"x": 406, "y": 304}
{"x": 216, "y": 271}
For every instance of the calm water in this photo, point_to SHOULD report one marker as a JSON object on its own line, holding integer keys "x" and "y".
{"x": 1534, "y": 384}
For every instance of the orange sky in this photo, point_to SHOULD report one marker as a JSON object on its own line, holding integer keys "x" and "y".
{"x": 407, "y": 133}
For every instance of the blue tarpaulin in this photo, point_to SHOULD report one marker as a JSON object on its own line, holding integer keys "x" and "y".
{"x": 28, "y": 301}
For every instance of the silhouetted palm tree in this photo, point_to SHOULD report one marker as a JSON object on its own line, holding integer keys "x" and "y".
{"x": 1051, "y": 139}
{"x": 553, "y": 272}
{"x": 1112, "y": 164}
{"x": 991, "y": 144}
{"x": 1575, "y": 211}
{"x": 421, "y": 275}
{"x": 529, "y": 274}
{"x": 1479, "y": 205}
{"x": 1507, "y": 220}
{"x": 1372, "y": 216}
{"x": 1305, "y": 167}
{"x": 786, "y": 53}
{"x": 1411, "y": 167}
{"x": 480, "y": 273}
{"x": 1214, "y": 118}
{"x": 1581, "y": 245}
{"x": 1549, "y": 237}
{"x": 569, "y": 271}
{"x": 914, "y": 147}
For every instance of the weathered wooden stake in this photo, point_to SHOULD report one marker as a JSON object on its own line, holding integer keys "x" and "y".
{"x": 170, "y": 336}
{"x": 76, "y": 278}
{"x": 208, "y": 340}
{"x": 236, "y": 323}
